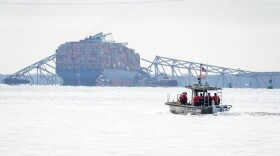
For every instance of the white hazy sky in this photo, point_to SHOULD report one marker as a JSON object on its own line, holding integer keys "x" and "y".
{"x": 241, "y": 34}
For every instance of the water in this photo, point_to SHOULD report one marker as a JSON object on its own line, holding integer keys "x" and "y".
{"x": 71, "y": 121}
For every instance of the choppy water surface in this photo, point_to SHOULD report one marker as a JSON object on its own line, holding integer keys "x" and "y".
{"x": 71, "y": 121}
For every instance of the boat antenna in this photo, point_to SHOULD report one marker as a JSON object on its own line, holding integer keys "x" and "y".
{"x": 199, "y": 78}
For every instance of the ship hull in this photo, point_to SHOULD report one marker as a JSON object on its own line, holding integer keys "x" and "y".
{"x": 115, "y": 77}
{"x": 167, "y": 83}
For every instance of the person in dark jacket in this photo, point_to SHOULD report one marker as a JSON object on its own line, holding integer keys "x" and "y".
{"x": 208, "y": 100}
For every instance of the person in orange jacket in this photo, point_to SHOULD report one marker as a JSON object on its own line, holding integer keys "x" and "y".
{"x": 201, "y": 99}
{"x": 216, "y": 99}
{"x": 183, "y": 98}
{"x": 196, "y": 100}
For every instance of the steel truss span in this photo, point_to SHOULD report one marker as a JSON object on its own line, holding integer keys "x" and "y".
{"x": 41, "y": 72}
{"x": 186, "y": 73}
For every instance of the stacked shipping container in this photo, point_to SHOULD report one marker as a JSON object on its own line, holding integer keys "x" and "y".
{"x": 87, "y": 58}
{"x": 90, "y": 56}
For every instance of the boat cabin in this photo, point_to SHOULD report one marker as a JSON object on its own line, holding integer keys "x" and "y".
{"x": 200, "y": 95}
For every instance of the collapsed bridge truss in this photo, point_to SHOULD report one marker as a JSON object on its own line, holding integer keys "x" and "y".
{"x": 186, "y": 72}
{"x": 40, "y": 73}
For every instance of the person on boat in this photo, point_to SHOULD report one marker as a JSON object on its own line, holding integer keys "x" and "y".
{"x": 216, "y": 99}
{"x": 183, "y": 98}
{"x": 196, "y": 100}
{"x": 208, "y": 100}
{"x": 201, "y": 99}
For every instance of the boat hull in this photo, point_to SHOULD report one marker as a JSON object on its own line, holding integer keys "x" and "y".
{"x": 195, "y": 110}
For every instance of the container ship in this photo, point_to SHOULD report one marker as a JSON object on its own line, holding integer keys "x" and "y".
{"x": 81, "y": 63}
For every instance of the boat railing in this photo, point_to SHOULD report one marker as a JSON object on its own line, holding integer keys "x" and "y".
{"x": 178, "y": 97}
{"x": 229, "y": 106}
{"x": 220, "y": 94}
{"x": 168, "y": 97}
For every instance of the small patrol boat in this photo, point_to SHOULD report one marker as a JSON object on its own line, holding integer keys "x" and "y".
{"x": 203, "y": 104}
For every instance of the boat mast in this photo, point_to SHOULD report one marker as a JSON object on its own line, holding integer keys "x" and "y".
{"x": 200, "y": 72}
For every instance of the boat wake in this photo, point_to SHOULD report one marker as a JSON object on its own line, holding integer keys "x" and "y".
{"x": 249, "y": 113}
{"x": 232, "y": 114}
